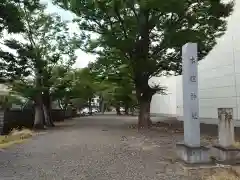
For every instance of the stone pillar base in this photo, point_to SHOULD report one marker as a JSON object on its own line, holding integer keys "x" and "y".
{"x": 193, "y": 155}
{"x": 228, "y": 155}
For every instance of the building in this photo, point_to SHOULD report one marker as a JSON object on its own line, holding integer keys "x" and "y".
{"x": 219, "y": 80}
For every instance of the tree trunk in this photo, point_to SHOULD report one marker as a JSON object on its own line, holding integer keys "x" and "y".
{"x": 90, "y": 105}
{"x": 132, "y": 111}
{"x": 39, "y": 114}
{"x": 118, "y": 109}
{"x": 144, "y": 97}
{"x": 144, "y": 120}
{"x": 47, "y": 117}
{"x": 47, "y": 107}
{"x": 101, "y": 103}
{"x": 39, "y": 118}
{"x": 102, "y": 108}
{"x": 126, "y": 109}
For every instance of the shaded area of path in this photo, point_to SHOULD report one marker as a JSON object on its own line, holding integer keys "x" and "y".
{"x": 94, "y": 148}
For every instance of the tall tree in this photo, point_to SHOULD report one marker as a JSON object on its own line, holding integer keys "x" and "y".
{"x": 150, "y": 34}
{"x": 84, "y": 86}
{"x": 46, "y": 43}
{"x": 117, "y": 83}
{"x": 73, "y": 86}
{"x": 62, "y": 80}
{"x": 9, "y": 23}
{"x": 12, "y": 24}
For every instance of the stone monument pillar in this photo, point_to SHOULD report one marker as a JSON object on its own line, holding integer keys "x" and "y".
{"x": 226, "y": 127}
{"x": 228, "y": 152}
{"x": 190, "y": 151}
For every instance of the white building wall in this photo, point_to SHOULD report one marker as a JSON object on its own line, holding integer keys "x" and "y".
{"x": 168, "y": 101}
{"x": 219, "y": 79}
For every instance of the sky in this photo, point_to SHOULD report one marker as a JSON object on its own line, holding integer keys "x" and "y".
{"x": 83, "y": 58}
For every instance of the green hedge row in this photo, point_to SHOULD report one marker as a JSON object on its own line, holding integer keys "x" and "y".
{"x": 14, "y": 119}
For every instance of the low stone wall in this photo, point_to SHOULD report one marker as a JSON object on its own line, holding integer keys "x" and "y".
{"x": 25, "y": 118}
{"x": 211, "y": 121}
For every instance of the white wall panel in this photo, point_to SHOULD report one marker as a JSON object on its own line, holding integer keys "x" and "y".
{"x": 227, "y": 102}
{"x": 237, "y": 59}
{"x": 211, "y": 113}
{"x": 179, "y": 91}
{"x": 223, "y": 81}
{"x": 179, "y": 110}
{"x": 219, "y": 92}
{"x": 154, "y": 104}
{"x": 207, "y": 112}
{"x": 217, "y": 72}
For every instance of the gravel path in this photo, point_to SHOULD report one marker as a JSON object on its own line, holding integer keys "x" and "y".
{"x": 94, "y": 148}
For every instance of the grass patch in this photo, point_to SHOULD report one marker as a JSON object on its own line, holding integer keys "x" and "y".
{"x": 15, "y": 137}
{"x": 225, "y": 175}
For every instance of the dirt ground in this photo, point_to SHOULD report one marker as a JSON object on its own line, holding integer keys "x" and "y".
{"x": 97, "y": 148}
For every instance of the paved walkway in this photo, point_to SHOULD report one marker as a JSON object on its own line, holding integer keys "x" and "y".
{"x": 94, "y": 148}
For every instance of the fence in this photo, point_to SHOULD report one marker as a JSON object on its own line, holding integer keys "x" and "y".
{"x": 25, "y": 118}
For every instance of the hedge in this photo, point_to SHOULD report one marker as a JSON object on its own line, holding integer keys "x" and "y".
{"x": 14, "y": 119}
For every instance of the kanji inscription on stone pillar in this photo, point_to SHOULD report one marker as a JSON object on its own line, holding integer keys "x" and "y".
{"x": 190, "y": 95}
